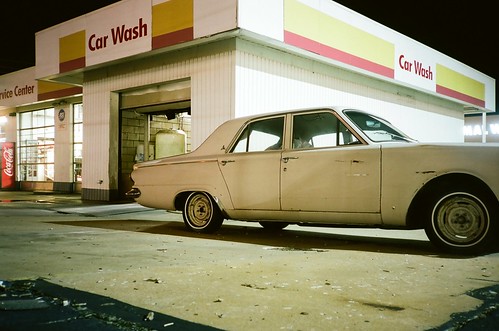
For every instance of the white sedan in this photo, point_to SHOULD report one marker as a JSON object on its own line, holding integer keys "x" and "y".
{"x": 330, "y": 167}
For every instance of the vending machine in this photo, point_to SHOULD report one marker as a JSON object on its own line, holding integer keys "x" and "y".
{"x": 8, "y": 166}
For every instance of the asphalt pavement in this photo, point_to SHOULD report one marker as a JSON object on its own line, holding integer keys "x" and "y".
{"x": 43, "y": 300}
{"x": 42, "y": 306}
{"x": 36, "y": 304}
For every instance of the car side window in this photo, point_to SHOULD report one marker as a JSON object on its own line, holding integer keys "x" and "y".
{"x": 260, "y": 136}
{"x": 321, "y": 129}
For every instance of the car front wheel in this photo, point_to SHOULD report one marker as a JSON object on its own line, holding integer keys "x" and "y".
{"x": 201, "y": 214}
{"x": 461, "y": 221}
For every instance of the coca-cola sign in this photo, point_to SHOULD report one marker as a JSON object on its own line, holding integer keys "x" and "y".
{"x": 8, "y": 165}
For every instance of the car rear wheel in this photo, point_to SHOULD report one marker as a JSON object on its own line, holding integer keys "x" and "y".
{"x": 201, "y": 214}
{"x": 461, "y": 221}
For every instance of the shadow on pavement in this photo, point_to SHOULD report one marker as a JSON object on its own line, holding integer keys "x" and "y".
{"x": 485, "y": 317}
{"x": 43, "y": 306}
{"x": 287, "y": 239}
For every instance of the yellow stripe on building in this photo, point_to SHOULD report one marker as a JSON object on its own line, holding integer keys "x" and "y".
{"x": 50, "y": 90}
{"x": 72, "y": 47}
{"x": 46, "y": 87}
{"x": 322, "y": 28}
{"x": 455, "y": 81}
{"x": 171, "y": 16}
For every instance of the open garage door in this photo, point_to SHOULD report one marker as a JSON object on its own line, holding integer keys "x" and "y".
{"x": 155, "y": 122}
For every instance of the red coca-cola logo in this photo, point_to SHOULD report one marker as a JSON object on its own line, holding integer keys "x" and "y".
{"x": 8, "y": 156}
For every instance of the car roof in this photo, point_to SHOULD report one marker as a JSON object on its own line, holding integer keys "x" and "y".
{"x": 222, "y": 136}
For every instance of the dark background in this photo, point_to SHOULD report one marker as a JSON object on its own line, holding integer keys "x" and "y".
{"x": 462, "y": 29}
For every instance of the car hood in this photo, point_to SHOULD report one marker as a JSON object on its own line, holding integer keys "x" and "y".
{"x": 463, "y": 146}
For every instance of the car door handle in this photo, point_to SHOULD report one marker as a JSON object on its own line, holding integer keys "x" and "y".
{"x": 224, "y": 162}
{"x": 287, "y": 158}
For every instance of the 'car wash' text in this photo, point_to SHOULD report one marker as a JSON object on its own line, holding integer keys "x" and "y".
{"x": 415, "y": 67}
{"x": 119, "y": 35}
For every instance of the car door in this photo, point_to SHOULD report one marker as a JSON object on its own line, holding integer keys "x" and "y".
{"x": 340, "y": 179}
{"x": 252, "y": 179}
{"x": 252, "y": 168}
{"x": 331, "y": 174}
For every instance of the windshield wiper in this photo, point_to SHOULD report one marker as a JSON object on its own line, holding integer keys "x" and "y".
{"x": 402, "y": 137}
{"x": 393, "y": 135}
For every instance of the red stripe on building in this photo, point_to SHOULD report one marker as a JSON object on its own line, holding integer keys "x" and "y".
{"x": 72, "y": 65}
{"x": 336, "y": 54}
{"x": 60, "y": 93}
{"x": 460, "y": 96}
{"x": 173, "y": 38}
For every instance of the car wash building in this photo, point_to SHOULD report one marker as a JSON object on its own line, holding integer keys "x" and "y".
{"x": 142, "y": 79}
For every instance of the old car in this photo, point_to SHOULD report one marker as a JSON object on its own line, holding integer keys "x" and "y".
{"x": 330, "y": 167}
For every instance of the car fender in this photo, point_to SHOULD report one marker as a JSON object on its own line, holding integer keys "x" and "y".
{"x": 408, "y": 169}
{"x": 167, "y": 183}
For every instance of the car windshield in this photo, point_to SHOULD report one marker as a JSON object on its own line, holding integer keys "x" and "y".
{"x": 376, "y": 128}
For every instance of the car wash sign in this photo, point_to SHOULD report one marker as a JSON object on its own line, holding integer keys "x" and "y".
{"x": 8, "y": 165}
{"x": 328, "y": 29}
{"x": 111, "y": 33}
{"x": 423, "y": 70}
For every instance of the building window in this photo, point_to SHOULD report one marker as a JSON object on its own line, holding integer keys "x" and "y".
{"x": 36, "y": 145}
{"x": 3, "y": 135}
{"x": 77, "y": 140}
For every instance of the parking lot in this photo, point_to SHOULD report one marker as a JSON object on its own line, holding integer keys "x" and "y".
{"x": 241, "y": 278}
